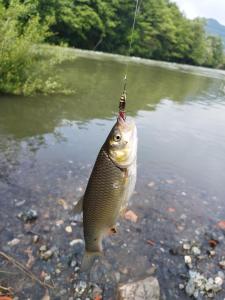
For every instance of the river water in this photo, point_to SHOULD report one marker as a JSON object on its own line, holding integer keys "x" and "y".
{"x": 48, "y": 145}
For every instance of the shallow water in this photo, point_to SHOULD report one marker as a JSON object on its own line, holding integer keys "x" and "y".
{"x": 48, "y": 146}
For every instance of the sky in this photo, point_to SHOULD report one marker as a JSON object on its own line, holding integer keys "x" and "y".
{"x": 203, "y": 8}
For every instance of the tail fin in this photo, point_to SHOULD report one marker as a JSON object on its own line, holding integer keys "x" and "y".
{"x": 88, "y": 260}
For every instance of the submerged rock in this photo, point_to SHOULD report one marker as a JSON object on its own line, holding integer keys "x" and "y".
{"x": 199, "y": 284}
{"x": 147, "y": 289}
{"x": 28, "y": 216}
{"x": 14, "y": 242}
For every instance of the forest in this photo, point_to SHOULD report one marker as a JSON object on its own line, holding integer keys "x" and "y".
{"x": 162, "y": 32}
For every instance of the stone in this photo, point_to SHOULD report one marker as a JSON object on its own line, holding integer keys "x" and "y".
{"x": 14, "y": 242}
{"x": 35, "y": 239}
{"x": 146, "y": 289}
{"x": 181, "y": 286}
{"x": 68, "y": 229}
{"x": 222, "y": 264}
{"x": 187, "y": 260}
{"x": 43, "y": 248}
{"x": 47, "y": 254}
{"x": 195, "y": 250}
{"x": 28, "y": 216}
{"x": 76, "y": 241}
{"x": 186, "y": 246}
{"x": 151, "y": 184}
{"x": 218, "y": 281}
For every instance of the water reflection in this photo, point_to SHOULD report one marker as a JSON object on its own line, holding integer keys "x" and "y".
{"x": 98, "y": 86}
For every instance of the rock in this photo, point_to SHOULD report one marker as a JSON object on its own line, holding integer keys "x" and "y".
{"x": 222, "y": 264}
{"x": 35, "y": 239}
{"x": 151, "y": 184}
{"x": 218, "y": 281}
{"x": 195, "y": 250}
{"x": 68, "y": 229}
{"x": 117, "y": 276}
{"x": 212, "y": 252}
{"x": 47, "y": 254}
{"x": 14, "y": 242}
{"x": 43, "y": 248}
{"x": 20, "y": 203}
{"x": 63, "y": 203}
{"x": 140, "y": 290}
{"x": 76, "y": 241}
{"x": 181, "y": 286}
{"x": 221, "y": 274}
{"x": 186, "y": 246}
{"x": 80, "y": 287}
{"x": 187, "y": 260}
{"x": 28, "y": 216}
{"x": 131, "y": 216}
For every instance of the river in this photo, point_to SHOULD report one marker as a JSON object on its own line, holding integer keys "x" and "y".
{"x": 48, "y": 145}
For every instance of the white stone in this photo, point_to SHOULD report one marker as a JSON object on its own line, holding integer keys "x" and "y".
{"x": 143, "y": 289}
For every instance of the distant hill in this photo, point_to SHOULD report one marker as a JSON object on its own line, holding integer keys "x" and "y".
{"x": 213, "y": 27}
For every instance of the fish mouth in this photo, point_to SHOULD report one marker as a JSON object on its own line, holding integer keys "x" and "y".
{"x": 125, "y": 124}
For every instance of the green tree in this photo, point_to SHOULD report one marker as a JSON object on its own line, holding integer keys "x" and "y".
{"x": 23, "y": 69}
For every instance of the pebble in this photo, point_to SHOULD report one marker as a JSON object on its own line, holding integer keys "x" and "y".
{"x": 68, "y": 229}
{"x": 221, "y": 274}
{"x": 76, "y": 241}
{"x": 80, "y": 287}
{"x": 187, "y": 260}
{"x": 47, "y": 277}
{"x": 20, "y": 203}
{"x": 186, "y": 246}
{"x": 73, "y": 263}
{"x": 28, "y": 216}
{"x": 222, "y": 264}
{"x": 212, "y": 253}
{"x": 43, "y": 248}
{"x": 47, "y": 254}
{"x": 195, "y": 250}
{"x": 147, "y": 288}
{"x": 218, "y": 281}
{"x": 181, "y": 286}
{"x": 117, "y": 276}
{"x": 63, "y": 292}
{"x": 151, "y": 184}
{"x": 35, "y": 239}
{"x": 14, "y": 242}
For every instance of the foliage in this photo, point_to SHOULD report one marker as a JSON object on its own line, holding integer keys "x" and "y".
{"x": 162, "y": 32}
{"x": 23, "y": 68}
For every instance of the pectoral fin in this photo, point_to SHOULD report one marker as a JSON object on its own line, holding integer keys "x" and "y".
{"x": 78, "y": 208}
{"x": 113, "y": 230}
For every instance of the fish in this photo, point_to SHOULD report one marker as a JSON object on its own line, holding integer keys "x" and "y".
{"x": 109, "y": 188}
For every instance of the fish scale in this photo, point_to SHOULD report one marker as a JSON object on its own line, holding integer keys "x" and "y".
{"x": 102, "y": 200}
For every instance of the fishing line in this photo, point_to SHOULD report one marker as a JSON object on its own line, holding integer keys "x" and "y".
{"x": 122, "y": 103}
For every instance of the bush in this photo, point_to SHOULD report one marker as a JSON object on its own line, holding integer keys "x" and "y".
{"x": 23, "y": 67}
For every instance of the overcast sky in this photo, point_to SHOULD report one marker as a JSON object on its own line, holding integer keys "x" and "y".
{"x": 203, "y": 8}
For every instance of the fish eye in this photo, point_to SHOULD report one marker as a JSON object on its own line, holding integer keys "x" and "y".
{"x": 117, "y": 137}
